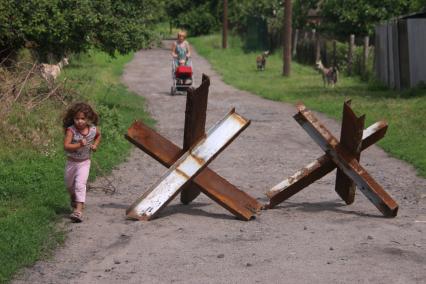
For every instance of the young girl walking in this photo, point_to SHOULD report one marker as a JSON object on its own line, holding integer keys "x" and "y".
{"x": 82, "y": 136}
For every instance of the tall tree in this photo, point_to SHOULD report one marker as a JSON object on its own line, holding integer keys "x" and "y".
{"x": 225, "y": 24}
{"x": 345, "y": 17}
{"x": 287, "y": 38}
{"x": 125, "y": 25}
{"x": 56, "y": 27}
{"x": 417, "y": 5}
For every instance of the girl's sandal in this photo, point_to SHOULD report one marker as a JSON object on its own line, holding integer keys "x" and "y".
{"x": 76, "y": 217}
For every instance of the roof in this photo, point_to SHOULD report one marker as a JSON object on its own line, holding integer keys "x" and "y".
{"x": 416, "y": 15}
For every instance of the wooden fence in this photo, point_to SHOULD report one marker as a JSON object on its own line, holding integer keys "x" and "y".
{"x": 400, "y": 60}
{"x": 309, "y": 46}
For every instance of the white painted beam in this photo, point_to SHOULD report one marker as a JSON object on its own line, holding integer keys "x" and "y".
{"x": 188, "y": 166}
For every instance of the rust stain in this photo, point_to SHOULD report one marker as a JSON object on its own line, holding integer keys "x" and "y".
{"x": 181, "y": 173}
{"x": 239, "y": 119}
{"x": 200, "y": 161}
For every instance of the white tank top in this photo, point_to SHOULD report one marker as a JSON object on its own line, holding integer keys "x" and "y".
{"x": 82, "y": 153}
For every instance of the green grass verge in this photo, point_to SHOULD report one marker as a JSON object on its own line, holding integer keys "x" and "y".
{"x": 404, "y": 111}
{"x": 32, "y": 193}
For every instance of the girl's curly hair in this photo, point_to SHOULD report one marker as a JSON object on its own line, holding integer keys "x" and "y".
{"x": 72, "y": 111}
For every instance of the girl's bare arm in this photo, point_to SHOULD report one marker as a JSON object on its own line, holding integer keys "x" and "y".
{"x": 97, "y": 140}
{"x": 67, "y": 142}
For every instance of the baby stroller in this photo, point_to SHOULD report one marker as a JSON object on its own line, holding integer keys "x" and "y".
{"x": 182, "y": 77}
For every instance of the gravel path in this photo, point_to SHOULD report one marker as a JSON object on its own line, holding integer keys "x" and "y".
{"x": 312, "y": 238}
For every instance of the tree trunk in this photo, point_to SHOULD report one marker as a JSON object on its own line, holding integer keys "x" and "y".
{"x": 225, "y": 24}
{"x": 287, "y": 38}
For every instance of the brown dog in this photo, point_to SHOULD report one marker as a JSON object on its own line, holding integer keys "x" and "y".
{"x": 261, "y": 60}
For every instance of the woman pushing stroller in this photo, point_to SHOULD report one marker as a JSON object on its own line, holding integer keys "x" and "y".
{"x": 182, "y": 74}
{"x": 181, "y": 50}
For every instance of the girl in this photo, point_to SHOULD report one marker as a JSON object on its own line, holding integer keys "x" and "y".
{"x": 81, "y": 137}
{"x": 181, "y": 51}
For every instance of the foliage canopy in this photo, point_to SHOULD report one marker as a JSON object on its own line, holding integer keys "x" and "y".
{"x": 197, "y": 17}
{"x": 56, "y": 27}
{"x": 344, "y": 17}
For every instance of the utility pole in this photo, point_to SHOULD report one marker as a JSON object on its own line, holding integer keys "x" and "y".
{"x": 225, "y": 24}
{"x": 287, "y": 38}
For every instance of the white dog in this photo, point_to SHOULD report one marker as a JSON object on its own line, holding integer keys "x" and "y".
{"x": 329, "y": 75}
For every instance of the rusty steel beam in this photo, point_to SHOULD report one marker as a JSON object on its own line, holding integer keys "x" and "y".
{"x": 152, "y": 143}
{"x": 195, "y": 123}
{"x": 346, "y": 162}
{"x": 319, "y": 168}
{"x": 239, "y": 203}
{"x": 373, "y": 134}
{"x": 301, "y": 179}
{"x": 187, "y": 167}
{"x": 195, "y": 114}
{"x": 351, "y": 139}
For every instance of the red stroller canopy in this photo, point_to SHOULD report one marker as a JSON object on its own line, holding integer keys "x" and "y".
{"x": 183, "y": 71}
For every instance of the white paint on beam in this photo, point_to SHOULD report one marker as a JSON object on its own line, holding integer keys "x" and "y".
{"x": 186, "y": 167}
{"x": 291, "y": 180}
{"x": 372, "y": 129}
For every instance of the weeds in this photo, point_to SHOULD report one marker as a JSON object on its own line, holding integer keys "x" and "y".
{"x": 24, "y": 99}
{"x": 32, "y": 193}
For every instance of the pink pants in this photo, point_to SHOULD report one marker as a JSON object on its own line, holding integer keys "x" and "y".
{"x": 76, "y": 175}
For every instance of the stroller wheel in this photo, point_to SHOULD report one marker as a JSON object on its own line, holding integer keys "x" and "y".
{"x": 173, "y": 91}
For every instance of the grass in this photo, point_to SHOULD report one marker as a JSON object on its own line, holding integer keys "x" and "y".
{"x": 404, "y": 111}
{"x": 32, "y": 194}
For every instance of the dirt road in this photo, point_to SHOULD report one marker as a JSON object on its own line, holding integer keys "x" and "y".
{"x": 312, "y": 238}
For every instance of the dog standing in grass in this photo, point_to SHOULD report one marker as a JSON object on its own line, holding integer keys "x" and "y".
{"x": 261, "y": 61}
{"x": 329, "y": 75}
